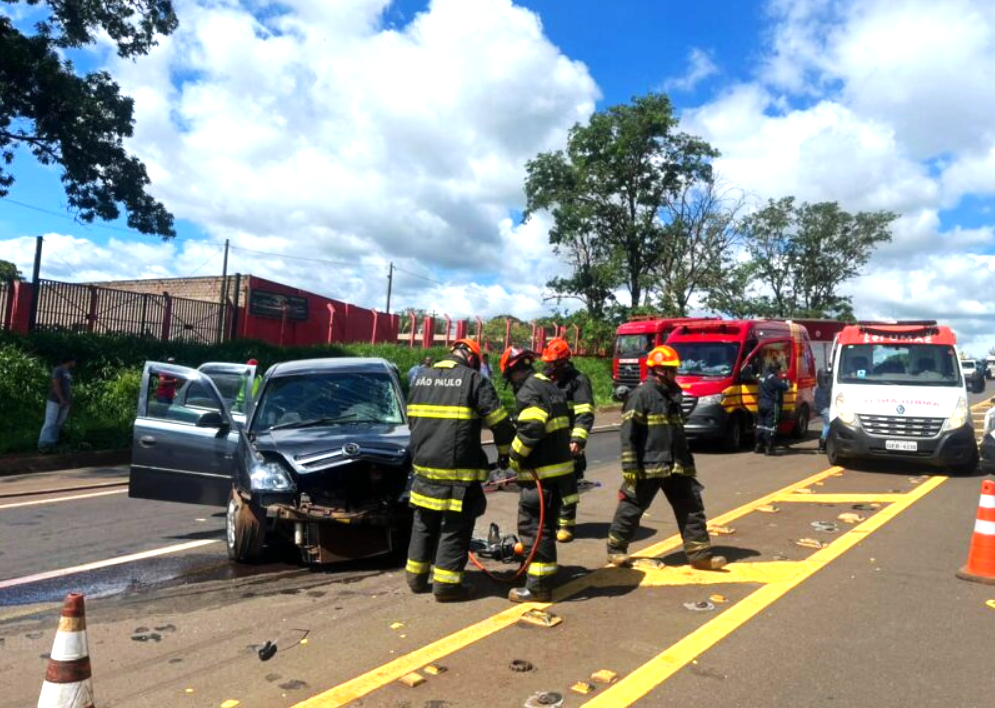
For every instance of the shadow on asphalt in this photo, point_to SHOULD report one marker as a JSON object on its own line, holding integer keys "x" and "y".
{"x": 600, "y": 529}
{"x": 732, "y": 554}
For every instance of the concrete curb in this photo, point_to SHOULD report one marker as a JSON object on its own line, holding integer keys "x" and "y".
{"x": 29, "y": 463}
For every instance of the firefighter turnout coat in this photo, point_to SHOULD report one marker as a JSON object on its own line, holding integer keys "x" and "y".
{"x": 447, "y": 407}
{"x": 542, "y": 442}
{"x": 654, "y": 443}
{"x": 580, "y": 402}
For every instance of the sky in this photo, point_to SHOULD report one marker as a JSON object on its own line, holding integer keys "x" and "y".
{"x": 328, "y": 138}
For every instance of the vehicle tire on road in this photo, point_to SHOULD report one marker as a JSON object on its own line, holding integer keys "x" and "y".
{"x": 833, "y": 454}
{"x": 732, "y": 437}
{"x": 800, "y": 431}
{"x": 245, "y": 529}
{"x": 966, "y": 469}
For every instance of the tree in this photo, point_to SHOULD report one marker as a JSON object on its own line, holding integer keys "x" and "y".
{"x": 800, "y": 256}
{"x": 700, "y": 233}
{"x": 80, "y": 122}
{"x": 607, "y": 192}
{"x": 9, "y": 271}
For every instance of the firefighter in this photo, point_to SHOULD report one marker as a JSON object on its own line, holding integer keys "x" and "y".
{"x": 580, "y": 402}
{"x": 446, "y": 408}
{"x": 541, "y": 448}
{"x": 655, "y": 457}
{"x": 770, "y": 399}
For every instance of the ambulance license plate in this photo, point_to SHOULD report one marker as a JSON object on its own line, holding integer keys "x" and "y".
{"x": 901, "y": 445}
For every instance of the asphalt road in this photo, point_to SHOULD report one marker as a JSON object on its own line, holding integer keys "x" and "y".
{"x": 874, "y": 618}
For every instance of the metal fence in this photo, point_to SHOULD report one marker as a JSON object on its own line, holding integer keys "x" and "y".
{"x": 75, "y": 307}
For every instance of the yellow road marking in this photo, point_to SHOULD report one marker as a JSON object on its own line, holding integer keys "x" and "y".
{"x": 988, "y": 403}
{"x": 393, "y": 670}
{"x": 651, "y": 674}
{"x": 769, "y": 572}
{"x": 842, "y": 498}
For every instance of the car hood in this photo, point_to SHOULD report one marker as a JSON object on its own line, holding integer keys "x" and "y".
{"x": 320, "y": 448}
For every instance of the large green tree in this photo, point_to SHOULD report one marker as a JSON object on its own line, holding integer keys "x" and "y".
{"x": 799, "y": 257}
{"x": 607, "y": 192}
{"x": 9, "y": 271}
{"x": 79, "y": 122}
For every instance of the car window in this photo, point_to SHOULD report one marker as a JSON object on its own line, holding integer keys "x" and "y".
{"x": 178, "y": 399}
{"x": 352, "y": 398}
{"x": 232, "y": 387}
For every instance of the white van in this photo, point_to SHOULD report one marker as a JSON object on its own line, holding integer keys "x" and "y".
{"x": 990, "y": 367}
{"x": 898, "y": 392}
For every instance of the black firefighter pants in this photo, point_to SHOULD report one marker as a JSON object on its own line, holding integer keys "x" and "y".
{"x": 543, "y": 567}
{"x": 442, "y": 539}
{"x": 684, "y": 495}
{"x": 766, "y": 427}
{"x": 568, "y": 513}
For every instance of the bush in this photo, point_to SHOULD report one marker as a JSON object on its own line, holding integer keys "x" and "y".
{"x": 108, "y": 377}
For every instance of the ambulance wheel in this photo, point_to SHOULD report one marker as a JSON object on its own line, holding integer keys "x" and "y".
{"x": 732, "y": 437}
{"x": 800, "y": 431}
{"x": 833, "y": 453}
{"x": 245, "y": 529}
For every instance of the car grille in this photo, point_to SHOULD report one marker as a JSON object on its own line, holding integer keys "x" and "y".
{"x": 687, "y": 405}
{"x": 316, "y": 461}
{"x": 885, "y": 426}
{"x": 628, "y": 374}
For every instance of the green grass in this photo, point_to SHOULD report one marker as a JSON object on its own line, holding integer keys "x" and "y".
{"x": 108, "y": 377}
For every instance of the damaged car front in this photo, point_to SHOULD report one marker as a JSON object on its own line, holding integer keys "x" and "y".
{"x": 321, "y": 464}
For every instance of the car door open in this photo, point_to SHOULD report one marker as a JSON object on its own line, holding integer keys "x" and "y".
{"x": 236, "y": 383}
{"x": 185, "y": 438}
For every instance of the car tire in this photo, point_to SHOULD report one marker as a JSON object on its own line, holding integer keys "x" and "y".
{"x": 245, "y": 529}
{"x": 833, "y": 453}
{"x": 967, "y": 468}
{"x": 732, "y": 436}
{"x": 800, "y": 431}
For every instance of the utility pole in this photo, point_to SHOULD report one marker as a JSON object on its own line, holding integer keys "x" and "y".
{"x": 224, "y": 295}
{"x": 390, "y": 284}
{"x": 36, "y": 285}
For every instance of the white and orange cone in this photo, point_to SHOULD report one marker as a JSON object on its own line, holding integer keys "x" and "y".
{"x": 67, "y": 680}
{"x": 980, "y": 565}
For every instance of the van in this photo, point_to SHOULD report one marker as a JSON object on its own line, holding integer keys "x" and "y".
{"x": 899, "y": 393}
{"x": 633, "y": 341}
{"x": 720, "y": 364}
{"x": 990, "y": 367}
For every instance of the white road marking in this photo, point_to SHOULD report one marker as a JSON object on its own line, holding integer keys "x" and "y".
{"x": 62, "y": 499}
{"x": 96, "y": 565}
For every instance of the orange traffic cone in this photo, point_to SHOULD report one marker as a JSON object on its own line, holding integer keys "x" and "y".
{"x": 981, "y": 558}
{"x": 67, "y": 680}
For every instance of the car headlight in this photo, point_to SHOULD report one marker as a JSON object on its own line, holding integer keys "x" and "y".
{"x": 843, "y": 410}
{"x": 270, "y": 477}
{"x": 959, "y": 416}
{"x": 714, "y": 400}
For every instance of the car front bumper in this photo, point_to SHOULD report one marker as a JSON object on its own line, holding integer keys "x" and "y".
{"x": 707, "y": 422}
{"x": 953, "y": 447}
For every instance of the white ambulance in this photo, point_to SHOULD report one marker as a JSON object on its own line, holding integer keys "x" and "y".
{"x": 898, "y": 392}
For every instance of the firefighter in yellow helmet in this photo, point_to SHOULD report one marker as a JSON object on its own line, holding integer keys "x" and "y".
{"x": 655, "y": 457}
{"x": 541, "y": 446}
{"x": 448, "y": 404}
{"x": 580, "y": 400}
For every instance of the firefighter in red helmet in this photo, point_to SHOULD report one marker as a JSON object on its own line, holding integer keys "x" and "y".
{"x": 541, "y": 449}
{"x": 580, "y": 401}
{"x": 655, "y": 457}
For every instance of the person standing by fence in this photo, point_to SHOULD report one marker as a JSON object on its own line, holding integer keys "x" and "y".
{"x": 57, "y": 405}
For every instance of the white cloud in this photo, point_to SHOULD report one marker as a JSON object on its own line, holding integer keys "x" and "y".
{"x": 700, "y": 67}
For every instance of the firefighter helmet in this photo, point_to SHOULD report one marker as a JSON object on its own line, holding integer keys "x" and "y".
{"x": 469, "y": 344}
{"x": 663, "y": 357}
{"x": 515, "y": 358}
{"x": 470, "y": 349}
{"x": 556, "y": 351}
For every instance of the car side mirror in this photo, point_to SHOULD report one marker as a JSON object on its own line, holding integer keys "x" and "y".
{"x": 211, "y": 419}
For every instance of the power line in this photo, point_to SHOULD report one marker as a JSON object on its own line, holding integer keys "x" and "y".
{"x": 209, "y": 258}
{"x": 416, "y": 275}
{"x": 67, "y": 217}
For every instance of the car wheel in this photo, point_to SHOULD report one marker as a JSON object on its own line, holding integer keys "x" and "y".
{"x": 732, "y": 437}
{"x": 966, "y": 469}
{"x": 833, "y": 453}
{"x": 245, "y": 529}
{"x": 801, "y": 424}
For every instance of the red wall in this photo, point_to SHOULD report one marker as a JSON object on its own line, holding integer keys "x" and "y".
{"x": 328, "y": 321}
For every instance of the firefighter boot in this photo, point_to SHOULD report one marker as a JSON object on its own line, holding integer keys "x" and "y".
{"x": 458, "y": 593}
{"x": 419, "y": 584}
{"x": 619, "y": 558}
{"x": 526, "y": 595}
{"x": 710, "y": 563}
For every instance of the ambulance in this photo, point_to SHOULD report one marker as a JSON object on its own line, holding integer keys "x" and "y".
{"x": 899, "y": 393}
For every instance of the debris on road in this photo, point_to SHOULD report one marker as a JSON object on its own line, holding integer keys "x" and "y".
{"x": 991, "y": 604}
{"x": 650, "y": 563}
{"x": 721, "y": 530}
{"x": 804, "y": 490}
{"x": 779, "y": 557}
{"x": 544, "y": 699}
{"x": 412, "y": 680}
{"x": 434, "y": 669}
{"x": 768, "y": 509}
{"x": 582, "y": 687}
{"x": 397, "y": 625}
{"x": 849, "y": 517}
{"x": 825, "y": 526}
{"x": 539, "y": 618}
{"x": 604, "y": 676}
{"x": 520, "y": 666}
{"x": 230, "y": 703}
{"x": 703, "y": 606}
{"x": 866, "y": 507}
{"x": 810, "y": 543}
{"x": 718, "y": 599}
{"x": 267, "y": 651}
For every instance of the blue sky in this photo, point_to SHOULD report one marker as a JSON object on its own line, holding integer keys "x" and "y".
{"x": 353, "y": 132}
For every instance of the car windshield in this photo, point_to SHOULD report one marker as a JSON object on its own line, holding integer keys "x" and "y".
{"x": 634, "y": 345}
{"x": 967, "y": 365}
{"x": 231, "y": 386}
{"x": 707, "y": 358}
{"x": 899, "y": 364}
{"x": 329, "y": 398}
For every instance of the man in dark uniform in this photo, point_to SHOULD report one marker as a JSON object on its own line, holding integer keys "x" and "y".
{"x": 541, "y": 448}
{"x": 655, "y": 457}
{"x": 447, "y": 406}
{"x": 580, "y": 402}
{"x": 770, "y": 399}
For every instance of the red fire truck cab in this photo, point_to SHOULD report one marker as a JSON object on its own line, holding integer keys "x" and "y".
{"x": 633, "y": 341}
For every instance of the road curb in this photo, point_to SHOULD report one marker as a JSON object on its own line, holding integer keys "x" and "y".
{"x": 26, "y": 464}
{"x": 64, "y": 490}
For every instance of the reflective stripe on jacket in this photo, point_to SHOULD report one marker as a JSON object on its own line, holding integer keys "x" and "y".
{"x": 542, "y": 442}
{"x": 654, "y": 443}
{"x": 580, "y": 402}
